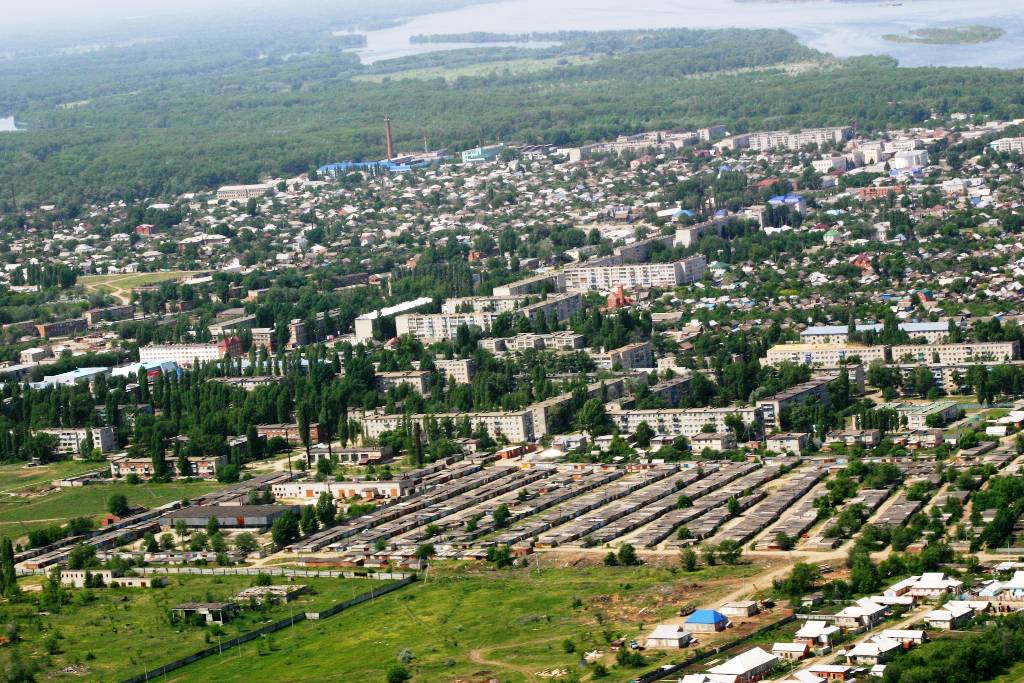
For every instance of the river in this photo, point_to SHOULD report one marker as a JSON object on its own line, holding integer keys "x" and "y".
{"x": 841, "y": 28}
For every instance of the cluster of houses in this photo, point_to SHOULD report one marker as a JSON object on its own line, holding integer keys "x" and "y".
{"x": 818, "y": 637}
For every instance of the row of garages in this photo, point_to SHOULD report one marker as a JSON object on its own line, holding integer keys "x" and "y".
{"x": 451, "y": 472}
{"x": 661, "y": 498}
{"x": 625, "y": 497}
{"x": 718, "y": 475}
{"x": 775, "y": 504}
{"x": 870, "y": 499}
{"x": 438, "y": 508}
{"x": 537, "y": 516}
{"x": 448, "y": 517}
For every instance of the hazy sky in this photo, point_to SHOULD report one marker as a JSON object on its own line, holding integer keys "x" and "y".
{"x": 36, "y": 14}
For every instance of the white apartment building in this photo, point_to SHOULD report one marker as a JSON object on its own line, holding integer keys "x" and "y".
{"x": 587, "y": 278}
{"x": 559, "y": 341}
{"x": 956, "y": 354}
{"x": 231, "y": 193}
{"x": 365, "y": 324}
{"x": 494, "y": 304}
{"x": 640, "y": 355}
{"x": 69, "y": 439}
{"x": 686, "y": 422}
{"x": 1008, "y": 145}
{"x": 515, "y": 427}
{"x": 839, "y": 334}
{"x": 434, "y": 327}
{"x": 187, "y": 354}
{"x": 417, "y": 379}
{"x": 783, "y": 139}
{"x": 829, "y": 164}
{"x": 824, "y": 355}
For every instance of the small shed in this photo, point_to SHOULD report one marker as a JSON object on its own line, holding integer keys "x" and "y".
{"x": 740, "y": 608}
{"x": 668, "y": 637}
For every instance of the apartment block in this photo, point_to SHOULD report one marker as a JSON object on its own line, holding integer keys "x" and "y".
{"x": 951, "y": 354}
{"x": 782, "y": 139}
{"x": 297, "y": 334}
{"x": 639, "y": 355}
{"x": 933, "y": 333}
{"x": 69, "y": 439}
{"x": 201, "y": 467}
{"x": 288, "y": 432}
{"x": 417, "y": 379}
{"x": 825, "y": 355}
{"x": 187, "y": 354}
{"x": 233, "y": 193}
{"x": 686, "y": 422}
{"x": 61, "y": 328}
{"x": 586, "y": 278}
{"x": 435, "y": 327}
{"x": 1008, "y": 145}
{"x": 772, "y": 406}
{"x": 458, "y": 370}
{"x": 264, "y": 338}
{"x": 532, "y": 284}
{"x": 558, "y": 341}
{"x": 514, "y": 426}
{"x": 491, "y": 304}
{"x": 94, "y": 316}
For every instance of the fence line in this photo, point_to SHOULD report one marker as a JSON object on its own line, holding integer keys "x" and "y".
{"x": 254, "y": 571}
{"x": 265, "y": 630}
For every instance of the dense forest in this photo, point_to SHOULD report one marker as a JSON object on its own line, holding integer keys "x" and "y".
{"x": 160, "y": 118}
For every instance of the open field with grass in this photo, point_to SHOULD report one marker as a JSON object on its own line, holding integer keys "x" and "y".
{"x": 120, "y": 285}
{"x": 20, "y": 515}
{"x": 15, "y": 477}
{"x": 471, "y": 624}
{"x": 121, "y": 631}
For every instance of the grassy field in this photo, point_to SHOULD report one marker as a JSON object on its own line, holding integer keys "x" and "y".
{"x": 16, "y": 477}
{"x": 469, "y": 625}
{"x": 129, "y": 280}
{"x": 122, "y": 631}
{"x": 20, "y": 515}
{"x": 120, "y": 285}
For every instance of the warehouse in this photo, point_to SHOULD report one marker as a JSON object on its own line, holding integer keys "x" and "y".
{"x": 259, "y": 517}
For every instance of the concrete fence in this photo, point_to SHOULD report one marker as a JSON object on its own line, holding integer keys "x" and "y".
{"x": 163, "y": 669}
{"x": 254, "y": 571}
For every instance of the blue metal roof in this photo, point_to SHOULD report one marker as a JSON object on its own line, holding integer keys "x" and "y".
{"x": 706, "y": 616}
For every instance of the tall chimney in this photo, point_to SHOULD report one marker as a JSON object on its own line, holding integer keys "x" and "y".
{"x": 387, "y": 132}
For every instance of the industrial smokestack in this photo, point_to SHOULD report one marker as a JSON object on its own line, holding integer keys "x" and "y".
{"x": 387, "y": 133}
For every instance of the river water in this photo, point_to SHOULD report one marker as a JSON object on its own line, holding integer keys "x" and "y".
{"x": 840, "y": 28}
